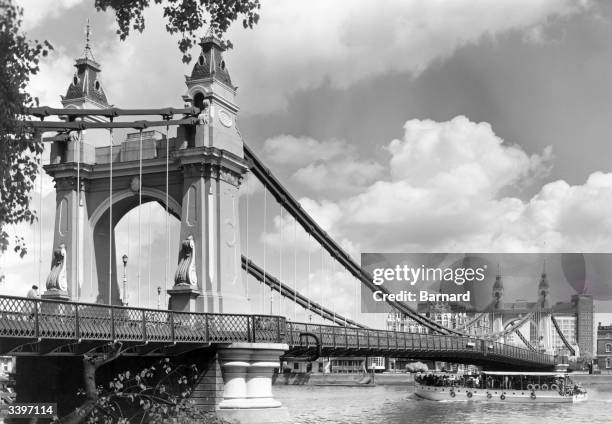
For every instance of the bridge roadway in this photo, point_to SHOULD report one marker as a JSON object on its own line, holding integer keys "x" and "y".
{"x": 53, "y": 328}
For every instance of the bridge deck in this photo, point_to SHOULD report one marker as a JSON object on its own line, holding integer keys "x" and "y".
{"x": 34, "y": 327}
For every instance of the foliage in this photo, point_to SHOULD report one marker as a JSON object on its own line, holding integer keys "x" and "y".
{"x": 156, "y": 394}
{"x": 417, "y": 367}
{"x": 20, "y": 150}
{"x": 185, "y": 17}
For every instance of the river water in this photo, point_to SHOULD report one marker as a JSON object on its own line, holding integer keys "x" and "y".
{"x": 398, "y": 405}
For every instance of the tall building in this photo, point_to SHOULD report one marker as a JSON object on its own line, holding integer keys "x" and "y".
{"x": 583, "y": 307}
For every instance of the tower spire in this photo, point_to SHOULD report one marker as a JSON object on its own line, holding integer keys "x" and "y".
{"x": 85, "y": 90}
{"x": 498, "y": 288}
{"x": 87, "y": 53}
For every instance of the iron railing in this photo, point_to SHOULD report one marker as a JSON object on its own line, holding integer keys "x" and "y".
{"x": 49, "y": 319}
{"x": 339, "y": 338}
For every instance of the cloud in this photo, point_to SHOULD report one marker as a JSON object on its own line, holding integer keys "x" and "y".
{"x": 460, "y": 156}
{"x": 329, "y": 166}
{"x": 298, "y": 46}
{"x": 36, "y": 11}
{"x": 447, "y": 191}
{"x": 327, "y": 43}
{"x": 53, "y": 78}
{"x": 344, "y": 175}
{"x": 290, "y": 150}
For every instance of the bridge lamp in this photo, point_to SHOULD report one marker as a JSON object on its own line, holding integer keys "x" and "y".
{"x": 158, "y": 297}
{"x": 125, "y": 299}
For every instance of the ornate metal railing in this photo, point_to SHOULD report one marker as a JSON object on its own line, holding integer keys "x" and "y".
{"x": 339, "y": 338}
{"x": 49, "y": 319}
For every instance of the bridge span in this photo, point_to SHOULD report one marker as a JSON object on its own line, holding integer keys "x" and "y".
{"x": 39, "y": 327}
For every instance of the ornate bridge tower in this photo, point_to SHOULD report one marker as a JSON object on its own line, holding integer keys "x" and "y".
{"x": 544, "y": 313}
{"x": 205, "y": 167}
{"x": 498, "y": 306}
{"x": 71, "y": 236}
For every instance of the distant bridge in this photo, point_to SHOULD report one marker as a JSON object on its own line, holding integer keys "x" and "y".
{"x": 54, "y": 328}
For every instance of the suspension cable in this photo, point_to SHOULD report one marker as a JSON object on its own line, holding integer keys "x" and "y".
{"x": 110, "y": 221}
{"x": 333, "y": 298}
{"x": 167, "y": 217}
{"x": 322, "y": 279}
{"x": 280, "y": 264}
{"x": 246, "y": 283}
{"x": 308, "y": 279}
{"x": 356, "y": 300}
{"x": 294, "y": 269}
{"x": 77, "y": 283}
{"x": 139, "y": 214}
{"x": 125, "y": 295}
{"x": 150, "y": 263}
{"x": 263, "y": 297}
{"x": 40, "y": 225}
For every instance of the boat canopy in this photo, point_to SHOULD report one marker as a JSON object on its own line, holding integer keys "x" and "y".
{"x": 536, "y": 374}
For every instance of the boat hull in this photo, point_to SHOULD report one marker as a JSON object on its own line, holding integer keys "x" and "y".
{"x": 438, "y": 393}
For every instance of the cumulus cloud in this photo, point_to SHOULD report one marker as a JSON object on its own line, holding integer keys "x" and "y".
{"x": 381, "y": 37}
{"x": 447, "y": 191}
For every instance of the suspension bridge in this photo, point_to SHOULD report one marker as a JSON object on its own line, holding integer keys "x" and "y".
{"x": 196, "y": 176}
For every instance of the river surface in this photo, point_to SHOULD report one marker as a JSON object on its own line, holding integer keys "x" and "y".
{"x": 398, "y": 405}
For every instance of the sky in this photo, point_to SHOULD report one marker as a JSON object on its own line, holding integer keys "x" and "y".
{"x": 400, "y": 126}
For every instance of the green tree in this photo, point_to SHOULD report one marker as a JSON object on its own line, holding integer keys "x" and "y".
{"x": 20, "y": 149}
{"x": 185, "y": 17}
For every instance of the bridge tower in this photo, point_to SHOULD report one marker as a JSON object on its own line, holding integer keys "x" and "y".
{"x": 205, "y": 166}
{"x": 544, "y": 311}
{"x": 498, "y": 306}
{"x": 72, "y": 236}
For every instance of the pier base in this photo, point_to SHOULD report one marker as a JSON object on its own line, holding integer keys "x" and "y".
{"x": 247, "y": 370}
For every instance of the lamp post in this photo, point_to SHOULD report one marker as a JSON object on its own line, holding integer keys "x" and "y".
{"x": 125, "y": 298}
{"x": 158, "y": 297}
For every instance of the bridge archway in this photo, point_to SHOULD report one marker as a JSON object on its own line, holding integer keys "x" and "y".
{"x": 124, "y": 202}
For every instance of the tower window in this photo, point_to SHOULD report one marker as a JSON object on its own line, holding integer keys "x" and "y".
{"x": 223, "y": 65}
{"x": 75, "y": 80}
{"x": 198, "y": 100}
{"x": 97, "y": 85}
{"x": 201, "y": 60}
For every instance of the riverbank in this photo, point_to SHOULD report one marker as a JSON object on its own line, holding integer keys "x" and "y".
{"x": 312, "y": 379}
{"x": 592, "y": 379}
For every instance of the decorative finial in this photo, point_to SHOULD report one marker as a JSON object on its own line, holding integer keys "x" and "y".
{"x": 88, "y": 51}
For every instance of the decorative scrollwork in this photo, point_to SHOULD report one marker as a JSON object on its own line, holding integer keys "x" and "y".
{"x": 57, "y": 276}
{"x": 186, "y": 271}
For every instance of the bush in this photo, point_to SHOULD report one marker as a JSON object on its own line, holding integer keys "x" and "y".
{"x": 156, "y": 394}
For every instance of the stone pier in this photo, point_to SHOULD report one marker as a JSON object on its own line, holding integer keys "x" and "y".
{"x": 247, "y": 370}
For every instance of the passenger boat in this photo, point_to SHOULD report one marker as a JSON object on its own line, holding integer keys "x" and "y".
{"x": 499, "y": 386}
